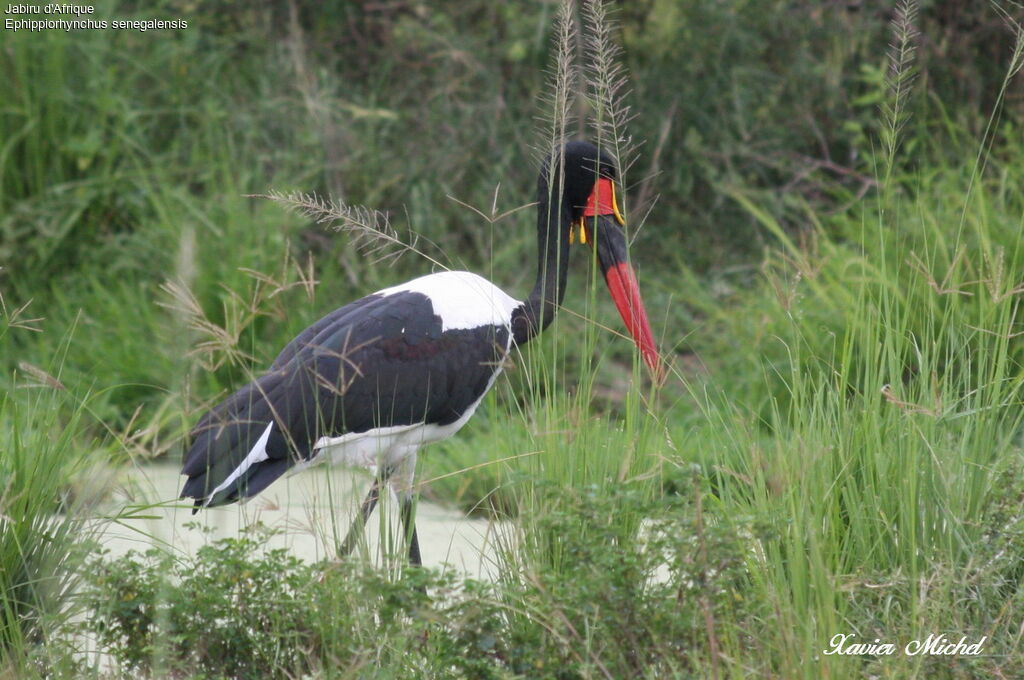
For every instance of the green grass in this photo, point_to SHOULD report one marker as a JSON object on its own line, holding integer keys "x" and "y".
{"x": 837, "y": 448}
{"x": 48, "y": 486}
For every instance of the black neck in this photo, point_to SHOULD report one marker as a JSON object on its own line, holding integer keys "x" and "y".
{"x": 553, "y": 220}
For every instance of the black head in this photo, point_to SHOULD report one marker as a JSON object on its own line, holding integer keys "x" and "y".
{"x": 583, "y": 164}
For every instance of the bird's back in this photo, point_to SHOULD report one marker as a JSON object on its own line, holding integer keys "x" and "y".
{"x": 423, "y": 353}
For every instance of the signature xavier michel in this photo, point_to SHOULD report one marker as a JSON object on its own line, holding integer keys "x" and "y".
{"x": 939, "y": 645}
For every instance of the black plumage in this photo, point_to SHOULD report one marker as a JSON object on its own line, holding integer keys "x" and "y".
{"x": 381, "y": 361}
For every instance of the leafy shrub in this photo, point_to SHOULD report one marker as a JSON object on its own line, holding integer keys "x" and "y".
{"x": 233, "y": 611}
{"x": 632, "y": 602}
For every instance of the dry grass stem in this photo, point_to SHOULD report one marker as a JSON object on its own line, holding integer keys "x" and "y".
{"x": 900, "y": 75}
{"x": 221, "y": 343}
{"x": 943, "y": 288}
{"x": 15, "y": 318}
{"x": 909, "y": 407}
{"x": 560, "y": 97}
{"x": 996, "y": 282}
{"x": 607, "y": 83}
{"x": 371, "y": 230}
{"x": 41, "y": 377}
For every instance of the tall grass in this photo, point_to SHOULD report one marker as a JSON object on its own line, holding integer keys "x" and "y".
{"x": 878, "y": 444}
{"x": 877, "y": 430}
{"x": 47, "y": 486}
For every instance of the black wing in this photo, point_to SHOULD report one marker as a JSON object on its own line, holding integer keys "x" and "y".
{"x": 380, "y": 361}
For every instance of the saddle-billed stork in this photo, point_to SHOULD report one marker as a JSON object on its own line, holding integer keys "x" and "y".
{"x": 373, "y": 381}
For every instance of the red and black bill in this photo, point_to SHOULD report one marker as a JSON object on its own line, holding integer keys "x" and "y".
{"x": 601, "y": 226}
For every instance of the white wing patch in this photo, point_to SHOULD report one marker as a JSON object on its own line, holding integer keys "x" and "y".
{"x": 256, "y": 455}
{"x": 462, "y": 299}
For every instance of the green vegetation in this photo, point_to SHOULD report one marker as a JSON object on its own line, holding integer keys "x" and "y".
{"x": 44, "y": 489}
{"x": 240, "y": 610}
{"x": 831, "y": 208}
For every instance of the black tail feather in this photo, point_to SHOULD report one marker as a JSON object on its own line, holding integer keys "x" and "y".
{"x": 232, "y": 455}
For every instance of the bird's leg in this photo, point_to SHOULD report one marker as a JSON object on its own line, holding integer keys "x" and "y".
{"x": 409, "y": 529}
{"x": 402, "y": 484}
{"x": 405, "y": 495}
{"x": 359, "y": 523}
{"x": 409, "y": 526}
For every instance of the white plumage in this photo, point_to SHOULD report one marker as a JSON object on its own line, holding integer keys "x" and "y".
{"x": 462, "y": 299}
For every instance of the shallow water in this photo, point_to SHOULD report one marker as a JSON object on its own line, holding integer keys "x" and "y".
{"x": 312, "y": 508}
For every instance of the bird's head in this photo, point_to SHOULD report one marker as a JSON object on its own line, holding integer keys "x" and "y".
{"x": 589, "y": 191}
{"x": 585, "y": 165}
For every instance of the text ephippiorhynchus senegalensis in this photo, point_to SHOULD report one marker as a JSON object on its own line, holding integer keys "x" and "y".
{"x": 373, "y": 381}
